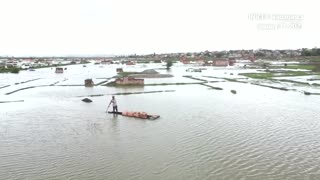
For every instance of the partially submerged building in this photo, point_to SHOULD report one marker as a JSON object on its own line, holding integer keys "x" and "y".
{"x": 106, "y": 62}
{"x": 119, "y": 70}
{"x": 129, "y": 81}
{"x": 59, "y": 70}
{"x": 130, "y": 63}
{"x": 220, "y": 63}
{"x": 88, "y": 83}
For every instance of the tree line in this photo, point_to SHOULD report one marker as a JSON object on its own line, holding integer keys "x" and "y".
{"x": 310, "y": 52}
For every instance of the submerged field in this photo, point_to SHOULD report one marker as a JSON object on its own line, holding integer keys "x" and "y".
{"x": 221, "y": 123}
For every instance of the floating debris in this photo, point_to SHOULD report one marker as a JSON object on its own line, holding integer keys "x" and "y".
{"x": 87, "y": 100}
{"x": 234, "y": 91}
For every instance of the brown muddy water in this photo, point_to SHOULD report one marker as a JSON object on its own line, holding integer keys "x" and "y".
{"x": 257, "y": 133}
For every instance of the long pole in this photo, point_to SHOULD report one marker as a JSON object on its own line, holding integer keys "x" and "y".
{"x": 108, "y": 108}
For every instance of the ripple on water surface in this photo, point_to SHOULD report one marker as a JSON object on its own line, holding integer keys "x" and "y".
{"x": 259, "y": 133}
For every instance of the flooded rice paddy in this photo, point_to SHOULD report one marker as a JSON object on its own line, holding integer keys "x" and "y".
{"x": 203, "y": 133}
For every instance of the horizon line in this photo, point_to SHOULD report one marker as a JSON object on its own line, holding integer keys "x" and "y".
{"x": 144, "y": 54}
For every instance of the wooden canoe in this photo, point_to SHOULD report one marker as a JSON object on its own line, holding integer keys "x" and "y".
{"x": 151, "y": 117}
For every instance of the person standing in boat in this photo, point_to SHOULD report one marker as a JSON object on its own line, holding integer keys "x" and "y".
{"x": 114, "y": 104}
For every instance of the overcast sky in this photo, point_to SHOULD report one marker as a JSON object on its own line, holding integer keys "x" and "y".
{"x": 89, "y": 27}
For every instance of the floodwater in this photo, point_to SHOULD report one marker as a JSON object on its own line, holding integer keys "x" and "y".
{"x": 258, "y": 133}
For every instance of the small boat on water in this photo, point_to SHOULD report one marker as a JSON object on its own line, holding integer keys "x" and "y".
{"x": 141, "y": 115}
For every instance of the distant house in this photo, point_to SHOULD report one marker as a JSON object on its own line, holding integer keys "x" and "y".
{"x": 88, "y": 83}
{"x": 200, "y": 62}
{"x": 129, "y": 81}
{"x": 130, "y": 63}
{"x": 59, "y": 70}
{"x": 220, "y": 63}
{"x": 231, "y": 61}
{"x": 106, "y": 62}
{"x": 185, "y": 61}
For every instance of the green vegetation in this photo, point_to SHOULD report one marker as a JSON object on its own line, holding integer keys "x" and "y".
{"x": 15, "y": 70}
{"x": 258, "y": 75}
{"x": 312, "y": 59}
{"x": 169, "y": 64}
{"x": 311, "y": 52}
{"x": 10, "y": 70}
{"x": 305, "y": 67}
{"x": 303, "y": 58}
{"x": 273, "y": 74}
{"x": 296, "y": 82}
